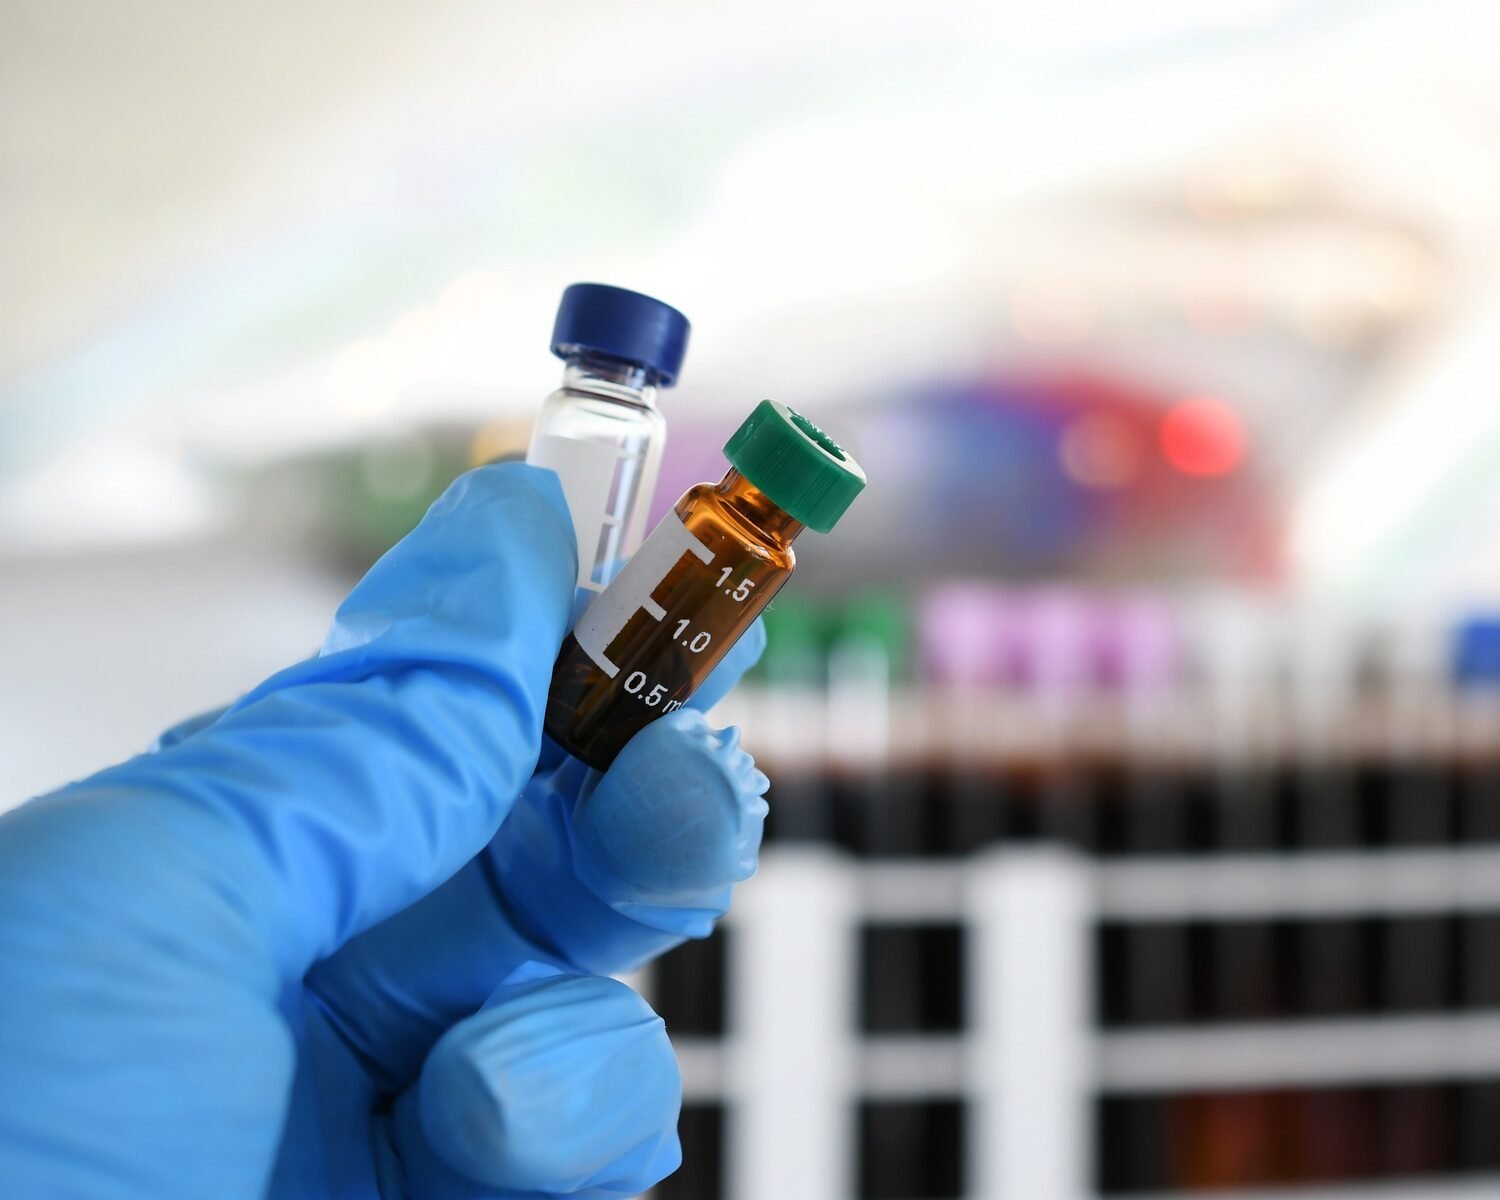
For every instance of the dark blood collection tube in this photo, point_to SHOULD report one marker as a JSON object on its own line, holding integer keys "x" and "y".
{"x": 794, "y": 724}
{"x": 961, "y": 649}
{"x": 1054, "y": 677}
{"x": 1334, "y": 954}
{"x": 1474, "y": 776}
{"x": 882, "y": 810}
{"x": 1407, "y": 797}
{"x": 1139, "y": 662}
{"x": 1232, "y": 1138}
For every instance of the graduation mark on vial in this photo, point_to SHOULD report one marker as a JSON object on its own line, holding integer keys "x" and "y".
{"x": 631, "y": 592}
{"x": 741, "y": 590}
{"x": 698, "y": 643}
{"x": 635, "y": 684}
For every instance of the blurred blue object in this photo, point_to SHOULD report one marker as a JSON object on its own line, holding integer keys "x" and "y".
{"x": 346, "y": 938}
{"x": 1476, "y": 653}
{"x": 995, "y": 484}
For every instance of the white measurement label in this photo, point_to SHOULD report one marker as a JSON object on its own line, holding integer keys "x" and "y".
{"x": 630, "y": 592}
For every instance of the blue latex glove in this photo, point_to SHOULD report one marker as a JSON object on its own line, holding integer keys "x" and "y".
{"x": 347, "y": 938}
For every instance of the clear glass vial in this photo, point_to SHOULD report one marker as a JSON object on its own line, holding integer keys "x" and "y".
{"x": 601, "y": 431}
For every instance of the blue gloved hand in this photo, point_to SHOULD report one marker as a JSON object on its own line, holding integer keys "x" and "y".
{"x": 348, "y": 938}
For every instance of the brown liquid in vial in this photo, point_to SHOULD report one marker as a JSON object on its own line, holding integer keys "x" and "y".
{"x": 709, "y": 597}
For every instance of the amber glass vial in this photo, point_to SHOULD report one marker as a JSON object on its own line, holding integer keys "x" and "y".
{"x": 697, "y": 583}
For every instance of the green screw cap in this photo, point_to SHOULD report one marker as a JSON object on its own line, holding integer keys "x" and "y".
{"x": 804, "y": 471}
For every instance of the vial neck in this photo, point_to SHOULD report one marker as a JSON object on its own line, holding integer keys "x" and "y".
{"x": 756, "y": 508}
{"x": 611, "y": 378}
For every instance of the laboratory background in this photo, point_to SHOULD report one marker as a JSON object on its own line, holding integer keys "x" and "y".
{"x": 1134, "y": 741}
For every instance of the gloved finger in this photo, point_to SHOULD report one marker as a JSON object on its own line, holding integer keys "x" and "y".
{"x": 559, "y": 1086}
{"x": 680, "y": 845}
{"x": 598, "y": 885}
{"x": 350, "y": 785}
{"x": 743, "y": 655}
{"x": 660, "y": 840}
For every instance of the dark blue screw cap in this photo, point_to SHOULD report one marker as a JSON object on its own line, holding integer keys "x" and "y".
{"x": 599, "y": 319}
